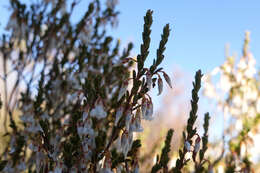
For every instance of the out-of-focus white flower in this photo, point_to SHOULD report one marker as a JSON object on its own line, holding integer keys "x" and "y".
{"x": 237, "y": 100}
{"x": 239, "y": 125}
{"x": 225, "y": 83}
{"x": 258, "y": 105}
{"x": 250, "y": 72}
{"x": 220, "y": 169}
{"x": 243, "y": 150}
{"x": 242, "y": 64}
{"x": 215, "y": 71}
{"x": 227, "y": 67}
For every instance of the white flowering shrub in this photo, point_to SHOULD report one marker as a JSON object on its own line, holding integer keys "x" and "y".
{"x": 237, "y": 94}
{"x": 80, "y": 100}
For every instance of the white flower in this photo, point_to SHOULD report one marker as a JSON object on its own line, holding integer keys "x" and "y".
{"x": 215, "y": 71}
{"x": 148, "y": 111}
{"x": 106, "y": 170}
{"x": 33, "y": 147}
{"x": 126, "y": 142}
{"x": 98, "y": 111}
{"x": 242, "y": 64}
{"x": 197, "y": 144}
{"x": 119, "y": 114}
{"x": 136, "y": 122}
{"x": 136, "y": 168}
{"x": 34, "y": 128}
{"x": 187, "y": 146}
{"x": 21, "y": 166}
{"x": 149, "y": 80}
{"x": 128, "y": 119}
{"x": 27, "y": 118}
{"x": 122, "y": 91}
{"x": 160, "y": 85}
{"x": 225, "y": 83}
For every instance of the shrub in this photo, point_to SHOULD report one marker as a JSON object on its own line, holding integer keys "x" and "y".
{"x": 80, "y": 100}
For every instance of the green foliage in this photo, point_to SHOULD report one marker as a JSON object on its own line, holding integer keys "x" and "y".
{"x": 164, "y": 158}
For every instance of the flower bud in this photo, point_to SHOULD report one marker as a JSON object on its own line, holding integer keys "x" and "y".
{"x": 119, "y": 114}
{"x": 187, "y": 146}
{"x": 167, "y": 79}
{"x": 98, "y": 111}
{"x": 122, "y": 90}
{"x": 149, "y": 80}
{"x": 160, "y": 85}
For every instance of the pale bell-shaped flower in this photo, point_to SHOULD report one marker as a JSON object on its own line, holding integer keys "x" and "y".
{"x": 21, "y": 166}
{"x": 12, "y": 150}
{"x": 149, "y": 80}
{"x": 160, "y": 85}
{"x": 148, "y": 115}
{"x": 136, "y": 168}
{"x": 196, "y": 148}
{"x": 144, "y": 107}
{"x": 136, "y": 122}
{"x": 84, "y": 116}
{"x": 187, "y": 146}
{"x": 33, "y": 147}
{"x": 122, "y": 90}
{"x": 128, "y": 119}
{"x": 111, "y": 3}
{"x": 58, "y": 169}
{"x": 34, "y": 128}
{"x": 126, "y": 141}
{"x": 119, "y": 114}
{"x": 98, "y": 111}
{"x": 106, "y": 170}
{"x": 45, "y": 116}
{"x": 27, "y": 118}
{"x": 167, "y": 79}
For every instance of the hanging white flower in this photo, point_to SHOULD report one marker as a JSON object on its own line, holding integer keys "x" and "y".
{"x": 98, "y": 111}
